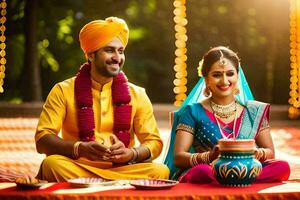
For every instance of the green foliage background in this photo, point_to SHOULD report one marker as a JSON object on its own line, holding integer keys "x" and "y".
{"x": 258, "y": 30}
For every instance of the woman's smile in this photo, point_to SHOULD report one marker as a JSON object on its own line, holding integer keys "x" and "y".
{"x": 223, "y": 87}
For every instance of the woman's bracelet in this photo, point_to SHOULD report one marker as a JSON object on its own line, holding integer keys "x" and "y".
{"x": 261, "y": 154}
{"x": 76, "y": 149}
{"x": 193, "y": 159}
{"x": 204, "y": 158}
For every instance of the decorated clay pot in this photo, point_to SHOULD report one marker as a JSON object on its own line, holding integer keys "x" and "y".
{"x": 236, "y": 165}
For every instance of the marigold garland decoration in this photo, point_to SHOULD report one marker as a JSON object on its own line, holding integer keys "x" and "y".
{"x": 294, "y": 101}
{"x": 3, "y": 6}
{"x": 180, "y": 60}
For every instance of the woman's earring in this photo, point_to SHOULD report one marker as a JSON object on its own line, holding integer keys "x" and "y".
{"x": 236, "y": 91}
{"x": 207, "y": 92}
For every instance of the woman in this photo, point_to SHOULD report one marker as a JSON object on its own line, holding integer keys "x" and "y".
{"x": 227, "y": 113}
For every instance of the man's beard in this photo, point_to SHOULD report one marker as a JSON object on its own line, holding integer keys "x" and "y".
{"x": 105, "y": 71}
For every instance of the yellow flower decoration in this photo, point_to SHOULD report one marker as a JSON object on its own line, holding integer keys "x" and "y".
{"x": 3, "y": 6}
{"x": 180, "y": 66}
{"x": 200, "y": 68}
{"x": 294, "y": 100}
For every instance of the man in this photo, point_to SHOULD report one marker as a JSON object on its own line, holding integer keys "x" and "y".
{"x": 99, "y": 114}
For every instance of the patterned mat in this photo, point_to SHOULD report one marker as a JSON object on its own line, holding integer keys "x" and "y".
{"x": 287, "y": 145}
{"x": 18, "y": 153}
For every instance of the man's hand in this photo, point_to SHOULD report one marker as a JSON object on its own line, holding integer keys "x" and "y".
{"x": 119, "y": 153}
{"x": 94, "y": 151}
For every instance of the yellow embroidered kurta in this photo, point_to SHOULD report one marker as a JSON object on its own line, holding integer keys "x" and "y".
{"x": 59, "y": 115}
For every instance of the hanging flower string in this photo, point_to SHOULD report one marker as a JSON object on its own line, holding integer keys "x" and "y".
{"x": 3, "y": 6}
{"x": 294, "y": 100}
{"x": 180, "y": 60}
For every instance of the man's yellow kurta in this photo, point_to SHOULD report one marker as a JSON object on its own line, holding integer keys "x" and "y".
{"x": 59, "y": 115}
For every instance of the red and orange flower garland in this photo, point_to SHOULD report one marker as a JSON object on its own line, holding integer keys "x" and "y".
{"x": 84, "y": 100}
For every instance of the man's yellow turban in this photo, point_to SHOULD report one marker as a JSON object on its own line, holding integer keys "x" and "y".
{"x": 98, "y": 33}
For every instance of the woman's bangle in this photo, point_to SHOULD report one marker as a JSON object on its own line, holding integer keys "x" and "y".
{"x": 76, "y": 149}
{"x": 193, "y": 159}
{"x": 204, "y": 158}
{"x": 261, "y": 154}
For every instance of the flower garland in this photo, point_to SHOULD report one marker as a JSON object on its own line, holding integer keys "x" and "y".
{"x": 84, "y": 101}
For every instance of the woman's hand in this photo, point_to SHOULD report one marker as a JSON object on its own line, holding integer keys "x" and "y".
{"x": 256, "y": 152}
{"x": 214, "y": 153}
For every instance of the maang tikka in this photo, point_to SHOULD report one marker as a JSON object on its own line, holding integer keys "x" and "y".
{"x": 222, "y": 59}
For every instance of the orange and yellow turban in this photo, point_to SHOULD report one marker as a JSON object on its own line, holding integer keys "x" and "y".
{"x": 98, "y": 33}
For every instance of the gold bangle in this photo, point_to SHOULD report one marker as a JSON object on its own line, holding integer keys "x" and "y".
{"x": 264, "y": 156}
{"x": 257, "y": 154}
{"x": 134, "y": 157}
{"x": 193, "y": 159}
{"x": 261, "y": 155}
{"x": 76, "y": 149}
{"x": 204, "y": 157}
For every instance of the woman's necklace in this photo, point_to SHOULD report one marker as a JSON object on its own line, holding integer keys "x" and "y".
{"x": 218, "y": 123}
{"x": 223, "y": 111}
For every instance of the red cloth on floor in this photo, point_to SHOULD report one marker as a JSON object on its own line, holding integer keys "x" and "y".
{"x": 181, "y": 190}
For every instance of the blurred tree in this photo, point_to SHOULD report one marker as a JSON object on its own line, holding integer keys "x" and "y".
{"x": 151, "y": 57}
{"x": 257, "y": 30}
{"x": 31, "y": 89}
{"x": 15, "y": 50}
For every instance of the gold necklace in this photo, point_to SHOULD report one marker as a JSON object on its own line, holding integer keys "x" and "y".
{"x": 225, "y": 111}
{"x": 220, "y": 129}
{"x": 218, "y": 123}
